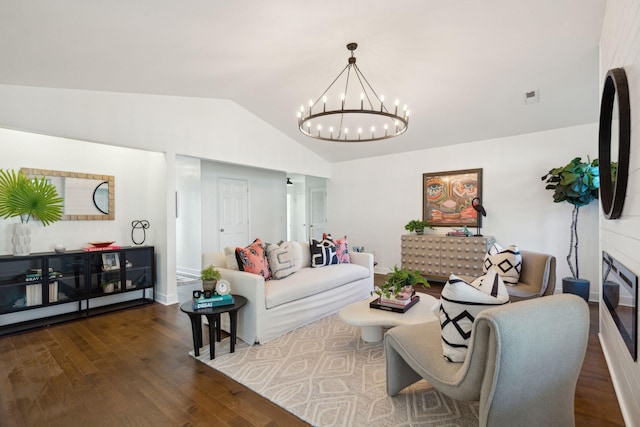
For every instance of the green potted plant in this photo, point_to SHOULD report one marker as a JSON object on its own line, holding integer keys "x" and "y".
{"x": 576, "y": 183}
{"x": 210, "y": 277}
{"x": 27, "y": 198}
{"x": 417, "y": 225}
{"x": 109, "y": 286}
{"x": 400, "y": 280}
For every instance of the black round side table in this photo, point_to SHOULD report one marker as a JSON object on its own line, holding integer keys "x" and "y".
{"x": 213, "y": 316}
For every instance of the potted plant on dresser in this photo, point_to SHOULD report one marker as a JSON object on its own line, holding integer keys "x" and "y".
{"x": 576, "y": 183}
{"x": 27, "y": 198}
{"x": 417, "y": 225}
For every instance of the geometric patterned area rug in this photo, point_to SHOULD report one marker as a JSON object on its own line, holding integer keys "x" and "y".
{"x": 326, "y": 375}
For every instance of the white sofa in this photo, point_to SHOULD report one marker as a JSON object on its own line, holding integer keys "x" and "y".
{"x": 276, "y": 307}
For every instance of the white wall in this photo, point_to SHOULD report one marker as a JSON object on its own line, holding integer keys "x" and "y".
{"x": 267, "y": 203}
{"x": 370, "y": 200}
{"x": 214, "y": 129}
{"x": 620, "y": 47}
{"x": 133, "y": 189}
{"x": 189, "y": 216}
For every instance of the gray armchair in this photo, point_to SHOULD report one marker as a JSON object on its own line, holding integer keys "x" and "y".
{"x": 537, "y": 276}
{"x": 523, "y": 361}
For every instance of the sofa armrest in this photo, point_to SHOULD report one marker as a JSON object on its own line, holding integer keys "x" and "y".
{"x": 362, "y": 258}
{"x": 250, "y": 286}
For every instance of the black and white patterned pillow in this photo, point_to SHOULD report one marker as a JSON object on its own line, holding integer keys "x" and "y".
{"x": 323, "y": 252}
{"x": 460, "y": 304}
{"x": 508, "y": 263}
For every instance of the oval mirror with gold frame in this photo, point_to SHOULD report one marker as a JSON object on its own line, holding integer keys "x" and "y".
{"x": 614, "y": 142}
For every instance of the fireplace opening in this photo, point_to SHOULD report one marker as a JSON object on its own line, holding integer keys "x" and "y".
{"x": 620, "y": 295}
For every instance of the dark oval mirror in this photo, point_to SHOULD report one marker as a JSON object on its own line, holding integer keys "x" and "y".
{"x": 614, "y": 141}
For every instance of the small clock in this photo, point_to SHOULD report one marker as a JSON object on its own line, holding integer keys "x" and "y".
{"x": 223, "y": 287}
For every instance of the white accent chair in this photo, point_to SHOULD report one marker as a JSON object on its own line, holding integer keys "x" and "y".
{"x": 523, "y": 361}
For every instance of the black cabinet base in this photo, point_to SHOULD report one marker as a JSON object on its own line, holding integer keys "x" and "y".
{"x": 45, "y": 322}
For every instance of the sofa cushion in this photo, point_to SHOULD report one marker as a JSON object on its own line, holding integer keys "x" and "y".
{"x": 460, "y": 303}
{"x": 311, "y": 281}
{"x": 323, "y": 252}
{"x": 342, "y": 250}
{"x": 253, "y": 259}
{"x": 284, "y": 259}
{"x": 230, "y": 258}
{"x": 508, "y": 263}
{"x": 342, "y": 247}
{"x": 306, "y": 253}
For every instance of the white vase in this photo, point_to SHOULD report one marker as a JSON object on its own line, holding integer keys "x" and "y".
{"x": 21, "y": 239}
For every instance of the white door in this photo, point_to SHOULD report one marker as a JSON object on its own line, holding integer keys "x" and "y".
{"x": 233, "y": 196}
{"x": 317, "y": 212}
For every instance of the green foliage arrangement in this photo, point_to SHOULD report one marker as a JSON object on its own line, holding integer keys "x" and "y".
{"x": 576, "y": 183}
{"x": 27, "y": 198}
{"x": 398, "y": 279}
{"x": 417, "y": 225}
{"x": 210, "y": 273}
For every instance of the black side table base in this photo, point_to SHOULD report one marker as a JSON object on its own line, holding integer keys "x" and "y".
{"x": 213, "y": 317}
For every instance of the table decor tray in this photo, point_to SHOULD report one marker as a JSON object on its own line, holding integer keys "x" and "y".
{"x": 400, "y": 309}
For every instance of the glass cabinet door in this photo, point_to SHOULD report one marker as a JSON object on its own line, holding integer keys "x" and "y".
{"x": 21, "y": 284}
{"x": 139, "y": 268}
{"x": 105, "y": 279}
{"x": 67, "y": 280}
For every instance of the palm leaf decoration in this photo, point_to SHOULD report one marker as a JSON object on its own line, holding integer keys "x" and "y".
{"x": 29, "y": 198}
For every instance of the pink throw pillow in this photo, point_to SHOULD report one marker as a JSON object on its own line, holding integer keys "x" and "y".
{"x": 253, "y": 259}
{"x": 342, "y": 249}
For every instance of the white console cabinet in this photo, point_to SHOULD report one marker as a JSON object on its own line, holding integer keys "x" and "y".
{"x": 437, "y": 256}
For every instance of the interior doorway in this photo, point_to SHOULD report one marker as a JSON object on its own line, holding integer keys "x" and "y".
{"x": 233, "y": 212}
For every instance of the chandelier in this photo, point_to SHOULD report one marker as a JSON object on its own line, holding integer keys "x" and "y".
{"x": 358, "y": 117}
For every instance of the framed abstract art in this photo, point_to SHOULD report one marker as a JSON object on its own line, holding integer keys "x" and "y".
{"x": 447, "y": 196}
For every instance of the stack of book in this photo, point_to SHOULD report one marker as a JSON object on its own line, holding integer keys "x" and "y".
{"x": 393, "y": 302}
{"x": 457, "y": 234}
{"x": 35, "y": 275}
{"x": 213, "y": 301}
{"x": 101, "y": 248}
{"x": 398, "y": 306}
{"x": 33, "y": 294}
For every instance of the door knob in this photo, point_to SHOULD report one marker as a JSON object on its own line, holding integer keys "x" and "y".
{"x": 222, "y": 230}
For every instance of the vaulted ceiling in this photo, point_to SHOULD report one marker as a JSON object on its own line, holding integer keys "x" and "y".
{"x": 462, "y": 66}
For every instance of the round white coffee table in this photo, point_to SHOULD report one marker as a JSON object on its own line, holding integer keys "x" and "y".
{"x": 372, "y": 320}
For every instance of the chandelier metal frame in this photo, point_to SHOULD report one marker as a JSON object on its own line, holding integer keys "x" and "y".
{"x": 397, "y": 123}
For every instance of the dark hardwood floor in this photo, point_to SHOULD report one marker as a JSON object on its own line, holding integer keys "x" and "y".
{"x": 132, "y": 368}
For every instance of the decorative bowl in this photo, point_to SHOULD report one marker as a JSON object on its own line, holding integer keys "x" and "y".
{"x": 101, "y": 244}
